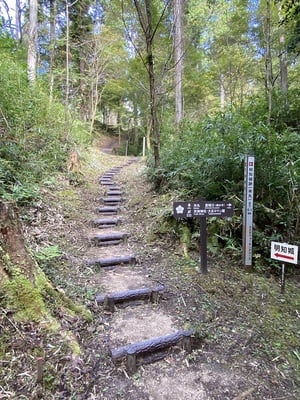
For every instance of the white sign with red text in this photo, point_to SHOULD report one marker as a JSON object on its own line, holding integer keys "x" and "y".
{"x": 284, "y": 252}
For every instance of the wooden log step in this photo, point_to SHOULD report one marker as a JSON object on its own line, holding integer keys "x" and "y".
{"x": 108, "y": 210}
{"x": 111, "y": 200}
{"x": 137, "y": 353}
{"x": 105, "y": 222}
{"x": 113, "y": 188}
{"x": 106, "y": 239}
{"x": 114, "y": 192}
{"x": 104, "y": 180}
{"x": 107, "y": 183}
{"x": 112, "y": 261}
{"x": 128, "y": 296}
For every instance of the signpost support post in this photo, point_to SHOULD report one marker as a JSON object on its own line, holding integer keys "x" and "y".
{"x": 283, "y": 278}
{"x": 203, "y": 245}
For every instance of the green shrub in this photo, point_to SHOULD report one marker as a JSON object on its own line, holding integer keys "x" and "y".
{"x": 34, "y": 143}
{"x": 207, "y": 161}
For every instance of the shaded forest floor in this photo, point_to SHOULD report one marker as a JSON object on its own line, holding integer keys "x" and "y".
{"x": 248, "y": 332}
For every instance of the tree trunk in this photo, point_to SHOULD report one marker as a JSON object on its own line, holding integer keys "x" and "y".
{"x": 27, "y": 291}
{"x": 32, "y": 41}
{"x": 222, "y": 92}
{"x": 18, "y": 16}
{"x": 12, "y": 246}
{"x": 179, "y": 50}
{"x": 146, "y": 24}
{"x": 282, "y": 57}
{"x": 269, "y": 69}
{"x": 67, "y": 94}
{"x": 52, "y": 46}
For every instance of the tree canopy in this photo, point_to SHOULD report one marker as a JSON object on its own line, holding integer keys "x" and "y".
{"x": 204, "y": 81}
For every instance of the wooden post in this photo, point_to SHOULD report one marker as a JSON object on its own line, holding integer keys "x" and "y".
{"x": 283, "y": 278}
{"x": 203, "y": 245}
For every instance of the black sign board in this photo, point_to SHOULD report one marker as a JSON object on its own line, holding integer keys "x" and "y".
{"x": 202, "y": 208}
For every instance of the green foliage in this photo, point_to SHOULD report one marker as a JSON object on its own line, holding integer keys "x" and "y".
{"x": 49, "y": 253}
{"x": 207, "y": 161}
{"x": 33, "y": 139}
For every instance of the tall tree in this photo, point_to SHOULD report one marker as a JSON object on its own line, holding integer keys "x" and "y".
{"x": 268, "y": 60}
{"x": 18, "y": 17}
{"x": 52, "y": 40}
{"x": 178, "y": 52}
{"x": 32, "y": 41}
{"x": 283, "y": 54}
{"x": 144, "y": 12}
{"x": 80, "y": 33}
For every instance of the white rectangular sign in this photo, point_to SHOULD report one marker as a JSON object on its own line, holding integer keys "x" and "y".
{"x": 248, "y": 209}
{"x": 284, "y": 252}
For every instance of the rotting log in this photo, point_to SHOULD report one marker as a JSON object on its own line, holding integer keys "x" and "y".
{"x": 150, "y": 347}
{"x": 149, "y": 294}
{"x": 112, "y": 261}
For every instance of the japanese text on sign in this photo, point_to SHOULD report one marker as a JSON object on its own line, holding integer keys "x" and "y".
{"x": 202, "y": 208}
{"x": 248, "y": 209}
{"x": 284, "y": 252}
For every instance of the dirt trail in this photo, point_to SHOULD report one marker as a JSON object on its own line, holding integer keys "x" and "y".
{"x": 230, "y": 361}
{"x": 176, "y": 376}
{"x": 141, "y": 320}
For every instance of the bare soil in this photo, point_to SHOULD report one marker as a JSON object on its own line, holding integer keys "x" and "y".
{"x": 231, "y": 361}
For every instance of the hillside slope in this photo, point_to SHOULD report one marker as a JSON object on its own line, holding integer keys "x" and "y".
{"x": 247, "y": 334}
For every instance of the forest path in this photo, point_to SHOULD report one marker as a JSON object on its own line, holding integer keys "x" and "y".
{"x": 136, "y": 319}
{"x": 176, "y": 376}
{"x": 229, "y": 362}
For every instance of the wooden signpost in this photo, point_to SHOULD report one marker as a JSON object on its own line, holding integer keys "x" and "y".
{"x": 202, "y": 209}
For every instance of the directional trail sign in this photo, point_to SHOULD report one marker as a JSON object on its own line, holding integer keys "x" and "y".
{"x": 284, "y": 252}
{"x": 202, "y": 208}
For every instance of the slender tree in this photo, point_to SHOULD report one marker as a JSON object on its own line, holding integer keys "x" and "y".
{"x": 268, "y": 61}
{"x": 18, "y": 21}
{"x": 32, "y": 41}
{"x": 178, "y": 52}
{"x": 52, "y": 40}
{"x": 144, "y": 12}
